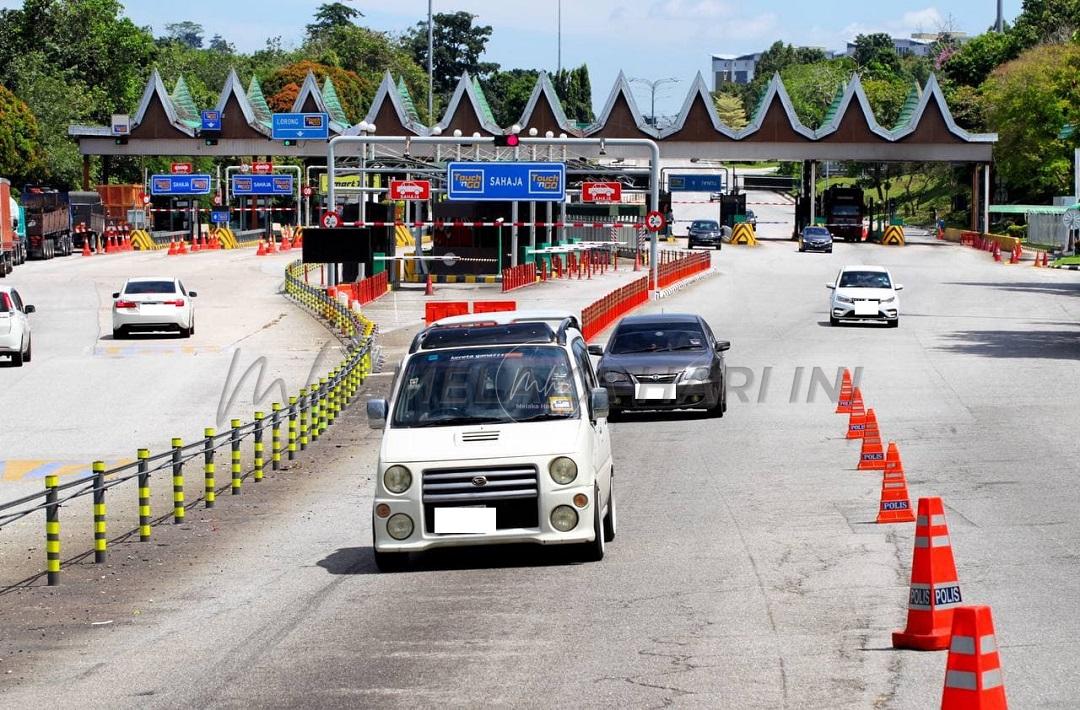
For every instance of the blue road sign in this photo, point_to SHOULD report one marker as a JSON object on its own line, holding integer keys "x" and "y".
{"x": 507, "y": 181}
{"x": 219, "y": 216}
{"x": 211, "y": 120}
{"x": 263, "y": 185}
{"x": 696, "y": 183}
{"x": 300, "y": 126}
{"x": 179, "y": 184}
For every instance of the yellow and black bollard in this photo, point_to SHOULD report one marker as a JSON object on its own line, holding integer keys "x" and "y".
{"x": 234, "y": 441}
{"x": 178, "y": 481}
{"x": 52, "y": 530}
{"x": 259, "y": 416}
{"x": 275, "y": 435}
{"x": 144, "y": 494}
{"x": 315, "y": 413}
{"x": 305, "y": 404}
{"x": 210, "y": 489}
{"x": 324, "y": 404}
{"x": 292, "y": 428}
{"x": 100, "y": 540}
{"x": 331, "y": 415}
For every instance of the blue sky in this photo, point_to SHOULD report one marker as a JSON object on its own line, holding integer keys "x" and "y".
{"x": 644, "y": 38}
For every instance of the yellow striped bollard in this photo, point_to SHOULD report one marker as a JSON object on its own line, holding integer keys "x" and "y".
{"x": 52, "y": 530}
{"x": 259, "y": 416}
{"x": 209, "y": 491}
{"x": 234, "y": 441}
{"x": 292, "y": 428}
{"x": 305, "y": 404}
{"x": 178, "y": 481}
{"x": 100, "y": 540}
{"x": 316, "y": 405}
{"x": 324, "y": 404}
{"x": 275, "y": 435}
{"x": 331, "y": 415}
{"x": 144, "y": 494}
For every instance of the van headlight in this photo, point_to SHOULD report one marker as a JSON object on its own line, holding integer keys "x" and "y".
{"x": 397, "y": 479}
{"x": 890, "y": 299}
{"x": 399, "y": 526}
{"x": 562, "y": 470}
{"x": 564, "y": 518}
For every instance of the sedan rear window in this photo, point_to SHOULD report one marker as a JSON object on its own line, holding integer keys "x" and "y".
{"x": 657, "y": 337}
{"x": 150, "y": 287}
{"x": 865, "y": 279}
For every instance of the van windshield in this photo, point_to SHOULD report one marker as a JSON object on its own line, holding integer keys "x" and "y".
{"x": 495, "y": 385}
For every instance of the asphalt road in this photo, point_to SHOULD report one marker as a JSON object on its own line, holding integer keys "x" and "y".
{"x": 747, "y": 571}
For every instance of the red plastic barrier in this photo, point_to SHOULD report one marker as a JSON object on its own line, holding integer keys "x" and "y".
{"x": 602, "y": 313}
{"x": 676, "y": 266}
{"x": 518, "y": 276}
{"x": 436, "y": 310}
{"x": 371, "y": 288}
{"x": 493, "y": 306}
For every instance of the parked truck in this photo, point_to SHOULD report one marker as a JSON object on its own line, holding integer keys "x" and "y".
{"x": 843, "y": 209}
{"x": 48, "y": 222}
{"x": 10, "y": 246}
{"x": 87, "y": 218}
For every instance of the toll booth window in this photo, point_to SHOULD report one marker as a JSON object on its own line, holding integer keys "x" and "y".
{"x": 486, "y": 386}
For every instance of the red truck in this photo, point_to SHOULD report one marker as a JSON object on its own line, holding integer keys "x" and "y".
{"x": 10, "y": 244}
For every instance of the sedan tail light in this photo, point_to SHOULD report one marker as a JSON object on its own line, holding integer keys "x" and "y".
{"x": 179, "y": 303}
{"x": 126, "y": 304}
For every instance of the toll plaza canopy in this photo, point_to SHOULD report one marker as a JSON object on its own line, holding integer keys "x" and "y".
{"x": 167, "y": 123}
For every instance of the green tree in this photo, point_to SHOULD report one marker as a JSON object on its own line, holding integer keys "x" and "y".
{"x": 330, "y": 16}
{"x": 458, "y": 45}
{"x": 886, "y": 97}
{"x": 876, "y": 56}
{"x": 219, "y": 44}
{"x": 730, "y": 109}
{"x": 187, "y": 33}
{"x": 775, "y": 59}
{"x": 574, "y": 89}
{"x": 20, "y": 149}
{"x": 1028, "y": 101}
{"x": 508, "y": 93}
{"x": 968, "y": 107}
{"x": 812, "y": 87}
{"x": 283, "y": 86}
{"x": 1045, "y": 22}
{"x": 974, "y": 60}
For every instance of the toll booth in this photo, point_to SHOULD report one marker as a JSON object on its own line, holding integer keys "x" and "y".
{"x": 732, "y": 205}
{"x": 484, "y": 243}
{"x": 378, "y": 241}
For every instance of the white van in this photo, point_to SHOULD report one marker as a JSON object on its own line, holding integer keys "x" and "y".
{"x": 495, "y": 432}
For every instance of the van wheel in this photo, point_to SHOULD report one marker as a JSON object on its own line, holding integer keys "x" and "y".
{"x": 594, "y": 551}
{"x": 610, "y": 520}
{"x": 390, "y": 561}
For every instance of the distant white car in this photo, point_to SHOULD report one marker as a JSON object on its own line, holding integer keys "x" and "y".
{"x": 14, "y": 326}
{"x": 864, "y": 293}
{"x": 153, "y": 304}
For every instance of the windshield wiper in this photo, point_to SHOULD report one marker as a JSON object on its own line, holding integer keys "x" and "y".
{"x": 639, "y": 350}
{"x": 543, "y": 417}
{"x": 457, "y": 421}
{"x": 686, "y": 347}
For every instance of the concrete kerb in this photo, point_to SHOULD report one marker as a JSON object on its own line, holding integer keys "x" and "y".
{"x": 689, "y": 281}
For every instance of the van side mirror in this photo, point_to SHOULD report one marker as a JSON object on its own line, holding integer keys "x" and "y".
{"x": 28, "y": 309}
{"x": 598, "y": 403}
{"x": 596, "y": 349}
{"x": 723, "y": 345}
{"x": 376, "y": 413}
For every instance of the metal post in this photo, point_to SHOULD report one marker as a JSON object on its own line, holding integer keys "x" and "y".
{"x": 178, "y": 480}
{"x": 513, "y": 233}
{"x": 209, "y": 489}
{"x": 430, "y": 66}
{"x": 144, "y": 494}
{"x": 52, "y": 530}
{"x": 292, "y": 427}
{"x": 316, "y": 405}
{"x": 275, "y": 435}
{"x": 324, "y": 405}
{"x": 258, "y": 476}
{"x": 100, "y": 536}
{"x": 532, "y": 225}
{"x": 986, "y": 198}
{"x": 1076, "y": 175}
{"x": 813, "y": 191}
{"x": 234, "y": 441}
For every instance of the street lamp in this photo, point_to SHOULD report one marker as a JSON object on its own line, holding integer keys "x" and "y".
{"x": 653, "y": 86}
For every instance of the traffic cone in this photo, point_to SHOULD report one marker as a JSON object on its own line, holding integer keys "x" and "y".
{"x": 429, "y": 286}
{"x": 86, "y": 245}
{"x": 262, "y": 248}
{"x": 172, "y": 248}
{"x": 843, "y": 404}
{"x": 1014, "y": 258}
{"x": 935, "y": 590}
{"x": 973, "y": 669}
{"x": 857, "y": 418}
{"x": 872, "y": 455}
{"x": 895, "y": 505}
{"x": 181, "y": 246}
{"x": 997, "y": 252}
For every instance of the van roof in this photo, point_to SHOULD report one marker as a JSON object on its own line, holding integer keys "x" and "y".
{"x": 504, "y": 317}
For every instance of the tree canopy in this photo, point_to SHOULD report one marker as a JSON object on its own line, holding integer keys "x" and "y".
{"x": 459, "y": 44}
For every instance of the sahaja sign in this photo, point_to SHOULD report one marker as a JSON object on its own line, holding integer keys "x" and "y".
{"x": 523, "y": 182}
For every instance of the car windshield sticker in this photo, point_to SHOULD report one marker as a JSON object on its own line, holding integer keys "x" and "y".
{"x": 560, "y": 404}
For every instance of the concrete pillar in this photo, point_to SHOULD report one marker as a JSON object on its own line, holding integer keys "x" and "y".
{"x": 813, "y": 192}
{"x": 986, "y": 197}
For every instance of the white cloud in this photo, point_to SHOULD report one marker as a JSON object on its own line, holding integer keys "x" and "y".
{"x": 690, "y": 10}
{"x": 925, "y": 20}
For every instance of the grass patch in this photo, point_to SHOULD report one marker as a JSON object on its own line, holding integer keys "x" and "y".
{"x": 1068, "y": 261}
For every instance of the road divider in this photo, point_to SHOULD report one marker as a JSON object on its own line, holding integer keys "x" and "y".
{"x": 743, "y": 233}
{"x": 514, "y": 277}
{"x": 601, "y": 313}
{"x": 893, "y": 236}
{"x": 323, "y": 401}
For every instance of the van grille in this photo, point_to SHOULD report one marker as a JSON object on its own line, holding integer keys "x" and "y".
{"x": 514, "y": 492}
{"x": 470, "y": 436}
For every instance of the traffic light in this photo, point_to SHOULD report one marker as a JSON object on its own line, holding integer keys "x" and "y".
{"x": 211, "y": 141}
{"x": 121, "y": 140}
{"x": 288, "y": 142}
{"x": 508, "y": 141}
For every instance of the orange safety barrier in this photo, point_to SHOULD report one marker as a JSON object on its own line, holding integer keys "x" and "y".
{"x": 372, "y": 287}
{"x": 676, "y": 266}
{"x": 437, "y": 310}
{"x": 605, "y": 311}
{"x": 493, "y": 306}
{"x": 518, "y": 276}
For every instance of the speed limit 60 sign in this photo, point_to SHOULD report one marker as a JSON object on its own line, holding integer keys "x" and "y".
{"x": 654, "y": 221}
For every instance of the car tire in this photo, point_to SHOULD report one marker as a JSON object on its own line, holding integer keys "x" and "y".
{"x": 689, "y": 244}
{"x": 29, "y": 350}
{"x": 119, "y": 333}
{"x": 611, "y": 519}
{"x": 719, "y": 246}
{"x": 191, "y": 330}
{"x": 829, "y": 250}
{"x": 894, "y": 323}
{"x": 802, "y": 249}
{"x": 594, "y": 551}
{"x": 16, "y": 359}
{"x": 834, "y": 321}
{"x": 185, "y": 332}
{"x": 390, "y": 561}
{"x": 614, "y": 415}
{"x": 718, "y": 409}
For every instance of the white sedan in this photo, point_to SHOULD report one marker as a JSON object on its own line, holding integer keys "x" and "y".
{"x": 153, "y": 304}
{"x": 14, "y": 326}
{"x": 864, "y": 293}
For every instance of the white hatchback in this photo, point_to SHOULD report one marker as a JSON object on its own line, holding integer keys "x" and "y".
{"x": 153, "y": 304}
{"x": 864, "y": 293}
{"x": 14, "y": 326}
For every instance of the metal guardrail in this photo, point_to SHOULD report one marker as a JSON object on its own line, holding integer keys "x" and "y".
{"x": 306, "y": 417}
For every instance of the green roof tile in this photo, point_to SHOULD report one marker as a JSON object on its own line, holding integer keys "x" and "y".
{"x": 184, "y": 104}
{"x": 407, "y": 100}
{"x": 907, "y": 111}
{"x": 333, "y": 103}
{"x": 481, "y": 98}
{"x": 834, "y": 107}
{"x": 257, "y": 99}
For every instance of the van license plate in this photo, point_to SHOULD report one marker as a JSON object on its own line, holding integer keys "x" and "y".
{"x": 456, "y": 521}
{"x": 654, "y": 391}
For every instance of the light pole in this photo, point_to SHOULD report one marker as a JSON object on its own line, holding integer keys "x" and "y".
{"x": 430, "y": 65}
{"x": 558, "y": 22}
{"x": 653, "y": 85}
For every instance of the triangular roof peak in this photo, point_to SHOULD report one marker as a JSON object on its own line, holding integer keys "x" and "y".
{"x": 932, "y": 92}
{"x": 155, "y": 87}
{"x": 333, "y": 102}
{"x": 698, "y": 90}
{"x": 621, "y": 87}
{"x": 852, "y": 92}
{"x": 466, "y": 91}
{"x": 774, "y": 92}
{"x": 310, "y": 90}
{"x": 234, "y": 88}
{"x": 544, "y": 88}
{"x": 257, "y": 99}
{"x": 388, "y": 91}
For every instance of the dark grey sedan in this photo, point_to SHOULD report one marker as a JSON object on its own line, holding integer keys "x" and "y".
{"x": 664, "y": 361}
{"x": 704, "y": 232}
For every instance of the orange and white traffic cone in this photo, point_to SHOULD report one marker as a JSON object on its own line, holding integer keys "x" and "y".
{"x": 843, "y": 404}
{"x": 973, "y": 669}
{"x": 429, "y": 286}
{"x": 935, "y": 590}
{"x": 857, "y": 416}
{"x": 86, "y": 245}
{"x": 997, "y": 252}
{"x": 172, "y": 248}
{"x": 181, "y": 246}
{"x": 262, "y": 248}
{"x": 872, "y": 455}
{"x": 895, "y": 505}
